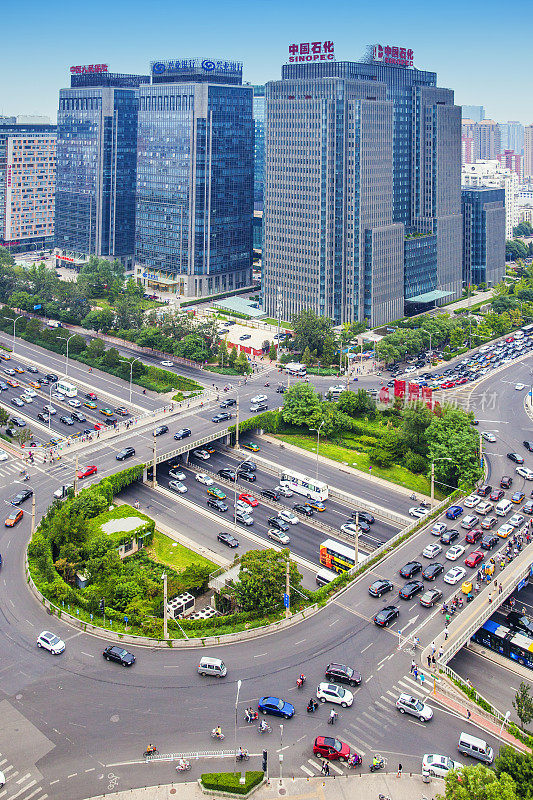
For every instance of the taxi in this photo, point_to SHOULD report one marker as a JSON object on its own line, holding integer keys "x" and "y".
{"x": 13, "y": 383}
{"x": 90, "y": 404}
{"x": 251, "y": 446}
{"x": 466, "y": 587}
{"x": 106, "y": 412}
{"x": 19, "y": 370}
{"x": 14, "y": 517}
{"x": 35, "y": 384}
{"x": 214, "y": 491}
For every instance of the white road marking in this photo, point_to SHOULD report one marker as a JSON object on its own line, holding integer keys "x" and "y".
{"x": 307, "y": 771}
{"x": 260, "y": 655}
{"x": 366, "y": 648}
{"x": 86, "y": 654}
{"x": 24, "y": 777}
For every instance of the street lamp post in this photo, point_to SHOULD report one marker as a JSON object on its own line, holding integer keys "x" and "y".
{"x": 239, "y": 683}
{"x": 356, "y": 542}
{"x": 50, "y": 404}
{"x": 165, "y": 610}
{"x": 235, "y": 491}
{"x": 444, "y": 458}
{"x": 131, "y": 363}
{"x": 14, "y": 321}
{"x": 67, "y": 339}
{"x": 317, "y": 431}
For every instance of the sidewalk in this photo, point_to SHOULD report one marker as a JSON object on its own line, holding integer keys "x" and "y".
{"x": 350, "y": 787}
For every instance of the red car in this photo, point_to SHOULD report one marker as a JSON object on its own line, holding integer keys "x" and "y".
{"x": 84, "y": 473}
{"x": 474, "y": 535}
{"x": 496, "y": 495}
{"x": 333, "y": 749}
{"x": 247, "y": 498}
{"x": 474, "y": 558}
{"x": 91, "y": 396}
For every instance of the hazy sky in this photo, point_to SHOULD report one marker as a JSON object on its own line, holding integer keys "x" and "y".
{"x": 466, "y": 42}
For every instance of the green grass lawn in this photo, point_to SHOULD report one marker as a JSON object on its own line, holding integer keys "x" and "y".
{"x": 272, "y": 321}
{"x": 167, "y": 551}
{"x": 360, "y": 460}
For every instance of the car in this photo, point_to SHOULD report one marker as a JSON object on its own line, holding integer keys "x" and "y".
{"x": 275, "y": 706}
{"x": 90, "y": 404}
{"x": 316, "y": 505}
{"x": 259, "y": 398}
{"x": 222, "y": 416}
{"x": 167, "y": 363}
{"x": 506, "y": 482}
{"x": 13, "y": 518}
{"x": 527, "y": 508}
{"x": 525, "y": 472}
{"x": 21, "y": 497}
{"x": 177, "y": 474}
{"x": 340, "y": 673}
{"x": 251, "y": 466}
{"x": 160, "y": 430}
{"x": 520, "y": 386}
{"x": 488, "y": 541}
{"x": 3, "y": 386}
{"x": 484, "y": 490}
{"x": 59, "y": 396}
{"x": 453, "y": 512}
{"x": 364, "y": 516}
{"x": 248, "y": 499}
{"x": 484, "y": 507}
{"x": 303, "y": 509}
{"x": 438, "y": 529}
{"x": 228, "y": 539}
{"x": 472, "y": 500}
{"x": 449, "y": 536}
{"x": 118, "y": 654}
{"x": 30, "y": 392}
{"x": 107, "y": 412}
{"x": 505, "y": 530}
{"x": 201, "y": 477}
{"x": 528, "y": 446}
{"x": 455, "y": 552}
{"x": 432, "y": 550}
{"x": 488, "y": 436}
{"x": 214, "y": 491}
{"x": 258, "y": 407}
{"x": 284, "y": 491}
{"x": 16, "y": 401}
{"x": 474, "y": 558}
{"x": 473, "y": 536}
{"x": 18, "y": 422}
{"x": 410, "y": 569}
{"x": 228, "y": 402}
{"x": 88, "y": 471}
{"x": 439, "y": 766}
{"x": 410, "y": 589}
{"x": 288, "y": 516}
{"x": 384, "y": 617}
{"x": 351, "y": 528}
{"x": 496, "y": 495}
{"x": 9, "y": 371}
{"x": 516, "y": 520}
{"x": 332, "y": 749}
{"x": 520, "y": 622}
{"x": 227, "y": 473}
{"x": 278, "y": 536}
{"x": 430, "y": 597}
{"x": 74, "y": 403}
{"x": 89, "y": 395}
{"x": 182, "y": 433}
{"x": 203, "y": 455}
{"x": 121, "y": 411}
{"x": 454, "y": 575}
{"x": 380, "y": 586}
{"x": 33, "y": 370}
{"x": 51, "y": 642}
{"x": 432, "y": 571}
{"x": 516, "y": 457}
{"x": 488, "y": 522}
{"x": 3, "y": 455}
{"x": 278, "y": 523}
{"x": 62, "y": 492}
{"x": 66, "y": 420}
{"x": 246, "y": 475}
{"x": 407, "y": 704}
{"x": 270, "y": 494}
{"x": 244, "y": 337}
{"x": 177, "y": 486}
{"x": 251, "y": 446}
{"x": 78, "y": 416}
{"x": 13, "y": 383}
{"x": 216, "y": 504}
{"x": 470, "y": 521}
{"x": 333, "y": 693}
{"x": 418, "y": 512}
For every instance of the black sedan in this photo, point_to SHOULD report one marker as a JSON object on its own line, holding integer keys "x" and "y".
{"x": 516, "y": 457}
{"x": 227, "y": 539}
{"x": 160, "y": 430}
{"x": 432, "y": 571}
{"x": 246, "y": 475}
{"x": 222, "y": 416}
{"x": 182, "y": 433}
{"x": 364, "y": 516}
{"x": 386, "y": 616}
{"x": 229, "y": 474}
{"x": 216, "y": 504}
{"x": 340, "y": 673}
{"x": 449, "y": 536}
{"x": 380, "y": 587}
{"x": 270, "y": 494}
{"x": 229, "y": 401}
{"x": 308, "y": 512}
{"x": 118, "y": 654}
{"x": 19, "y": 498}
{"x": 528, "y": 446}
{"x": 66, "y": 420}
{"x": 410, "y": 569}
{"x": 278, "y": 523}
{"x": 127, "y": 452}
{"x": 410, "y": 589}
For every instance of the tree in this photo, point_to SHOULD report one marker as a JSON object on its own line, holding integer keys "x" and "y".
{"x": 330, "y": 348}
{"x": 301, "y": 406}
{"x": 519, "y": 766}
{"x": 23, "y": 435}
{"x": 454, "y": 447}
{"x": 348, "y": 403}
{"x": 77, "y": 344}
{"x": 478, "y": 783}
{"x": 310, "y": 330}
{"x": 416, "y": 419}
{"x": 523, "y": 229}
{"x": 4, "y": 417}
{"x": 307, "y": 358}
{"x": 232, "y": 356}
{"x": 242, "y": 364}
{"x": 523, "y": 704}
{"x": 99, "y": 319}
{"x": 222, "y": 355}
{"x": 366, "y": 405}
{"x": 515, "y": 250}
{"x": 262, "y": 579}
{"x": 273, "y": 353}
{"x": 111, "y": 358}
{"x": 95, "y": 349}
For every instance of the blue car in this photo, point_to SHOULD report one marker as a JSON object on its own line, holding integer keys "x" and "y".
{"x": 276, "y": 707}
{"x": 454, "y": 512}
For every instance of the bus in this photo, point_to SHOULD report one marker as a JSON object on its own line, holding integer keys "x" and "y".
{"x": 336, "y": 556}
{"x": 527, "y": 330}
{"x": 502, "y": 640}
{"x": 302, "y": 484}
{"x": 294, "y": 368}
{"x": 66, "y": 388}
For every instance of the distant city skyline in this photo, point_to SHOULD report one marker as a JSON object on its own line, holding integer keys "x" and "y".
{"x": 36, "y": 57}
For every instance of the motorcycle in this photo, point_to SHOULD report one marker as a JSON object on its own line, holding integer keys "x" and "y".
{"x": 244, "y": 756}
{"x": 374, "y": 767}
{"x": 354, "y": 761}
{"x": 253, "y": 717}
{"x": 312, "y": 706}
{"x": 152, "y": 751}
{"x": 183, "y": 767}
{"x": 267, "y": 385}
{"x": 300, "y": 681}
{"x": 26, "y": 477}
{"x": 264, "y": 728}
{"x": 215, "y": 735}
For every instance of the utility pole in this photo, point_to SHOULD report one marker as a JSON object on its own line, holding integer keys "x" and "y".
{"x": 32, "y": 513}
{"x": 288, "y": 588}
{"x": 154, "y": 481}
{"x": 76, "y": 477}
{"x": 165, "y": 611}
{"x": 433, "y": 482}
{"x": 237, "y": 425}
{"x": 356, "y": 549}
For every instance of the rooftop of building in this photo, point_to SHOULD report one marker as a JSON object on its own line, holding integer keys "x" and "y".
{"x": 241, "y": 305}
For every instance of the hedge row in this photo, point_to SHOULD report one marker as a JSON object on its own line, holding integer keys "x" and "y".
{"x": 230, "y": 781}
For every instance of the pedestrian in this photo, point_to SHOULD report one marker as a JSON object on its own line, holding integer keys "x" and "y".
{"x": 500, "y": 589}
{"x": 523, "y": 610}
{"x": 422, "y": 678}
{"x": 433, "y": 663}
{"x": 429, "y": 660}
{"x": 399, "y": 773}
{"x": 326, "y": 771}
{"x": 468, "y": 713}
{"x": 413, "y": 665}
{"x": 490, "y": 597}
{"x": 512, "y": 602}
{"x": 433, "y": 648}
{"x": 446, "y": 634}
{"x": 441, "y": 652}
{"x": 415, "y": 672}
{"x": 477, "y": 587}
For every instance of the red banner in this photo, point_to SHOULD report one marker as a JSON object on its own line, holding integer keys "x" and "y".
{"x": 414, "y": 391}
{"x": 427, "y": 392}
{"x": 399, "y": 389}
{"x": 384, "y": 395}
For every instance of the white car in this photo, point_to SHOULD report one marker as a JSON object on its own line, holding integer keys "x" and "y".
{"x": 26, "y": 398}
{"x": 51, "y": 410}
{"x": 74, "y": 403}
{"x": 432, "y": 550}
{"x": 489, "y": 437}
{"x": 177, "y": 486}
{"x": 177, "y": 475}
{"x": 201, "y": 454}
{"x": 278, "y": 536}
{"x": 283, "y": 490}
{"x": 418, "y": 512}
{"x": 516, "y": 520}
{"x": 58, "y": 396}
{"x": 439, "y": 528}
{"x": 201, "y": 477}
{"x": 525, "y": 472}
{"x": 3, "y": 455}
{"x": 439, "y": 766}
{"x": 471, "y": 501}
{"x": 51, "y": 642}
{"x": 259, "y": 398}
{"x": 288, "y": 516}
{"x": 505, "y": 530}
{"x": 455, "y": 575}
{"x": 333, "y": 693}
{"x": 350, "y": 528}
{"x": 455, "y": 552}
{"x": 30, "y": 392}
{"x": 167, "y": 363}
{"x": 520, "y": 386}
{"x": 484, "y": 507}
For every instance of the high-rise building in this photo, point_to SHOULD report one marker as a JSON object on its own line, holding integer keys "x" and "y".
{"x": 512, "y": 161}
{"x": 96, "y": 166}
{"x": 512, "y": 136}
{"x": 492, "y": 175}
{"x": 195, "y": 178}
{"x": 259, "y": 146}
{"x": 483, "y": 235}
{"x": 485, "y": 136}
{"x": 27, "y": 185}
{"x": 527, "y": 169}
{"x": 342, "y": 234}
{"x": 475, "y": 113}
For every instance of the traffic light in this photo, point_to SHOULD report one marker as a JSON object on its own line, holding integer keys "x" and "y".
{"x": 265, "y": 758}
{"x": 102, "y": 606}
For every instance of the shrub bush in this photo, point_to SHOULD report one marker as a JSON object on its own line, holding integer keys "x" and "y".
{"x": 381, "y": 457}
{"x": 229, "y": 781}
{"x": 415, "y": 462}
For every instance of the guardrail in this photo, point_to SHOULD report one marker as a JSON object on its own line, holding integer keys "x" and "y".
{"x": 219, "y": 434}
{"x": 194, "y": 755}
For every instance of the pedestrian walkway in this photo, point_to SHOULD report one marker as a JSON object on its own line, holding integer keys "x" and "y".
{"x": 20, "y": 786}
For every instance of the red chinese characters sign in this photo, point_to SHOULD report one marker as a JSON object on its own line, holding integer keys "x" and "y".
{"x": 88, "y": 68}
{"x": 312, "y": 51}
{"x": 393, "y": 55}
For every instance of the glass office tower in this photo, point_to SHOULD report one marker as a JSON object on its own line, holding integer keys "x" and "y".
{"x": 259, "y": 146}
{"x": 483, "y": 235}
{"x": 195, "y": 179}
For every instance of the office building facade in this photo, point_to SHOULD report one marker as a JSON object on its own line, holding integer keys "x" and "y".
{"x": 512, "y": 136}
{"x": 475, "y": 113}
{"x": 527, "y": 170}
{"x": 259, "y": 146}
{"x": 195, "y": 179}
{"x": 492, "y": 175}
{"x": 483, "y": 235}
{"x": 96, "y": 168}
{"x": 27, "y": 185}
{"x": 485, "y": 136}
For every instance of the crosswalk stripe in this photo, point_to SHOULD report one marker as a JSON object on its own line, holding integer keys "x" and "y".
{"x": 36, "y": 791}
{"x": 365, "y": 727}
{"x": 314, "y": 764}
{"x": 354, "y": 747}
{"x": 307, "y": 771}
{"x": 380, "y": 705}
{"x": 24, "y": 777}
{"x": 335, "y": 768}
{"x": 387, "y": 700}
{"x": 24, "y": 789}
{"x": 391, "y": 694}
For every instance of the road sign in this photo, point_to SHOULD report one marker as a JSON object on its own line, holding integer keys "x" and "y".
{"x": 125, "y": 620}
{"x": 286, "y": 600}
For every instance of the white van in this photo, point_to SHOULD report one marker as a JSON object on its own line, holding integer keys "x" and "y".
{"x": 212, "y": 666}
{"x": 518, "y": 335}
{"x": 503, "y": 508}
{"x": 476, "y": 748}
{"x": 325, "y": 576}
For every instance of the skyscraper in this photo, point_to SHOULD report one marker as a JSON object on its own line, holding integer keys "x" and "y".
{"x": 512, "y": 136}
{"x": 494, "y": 175}
{"x": 328, "y": 129}
{"x": 195, "y": 178}
{"x": 475, "y": 113}
{"x": 259, "y": 146}
{"x": 483, "y": 235}
{"x": 96, "y": 166}
{"x": 528, "y": 153}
